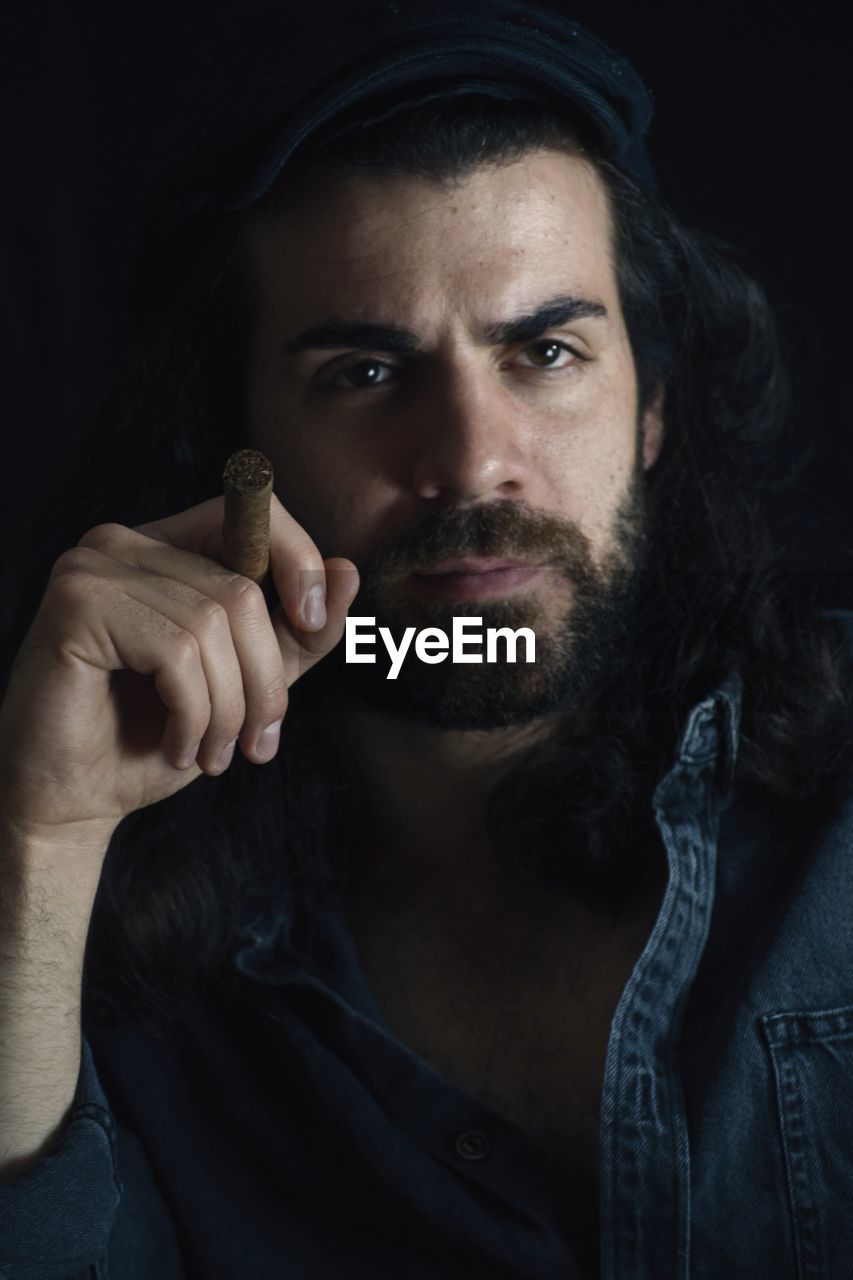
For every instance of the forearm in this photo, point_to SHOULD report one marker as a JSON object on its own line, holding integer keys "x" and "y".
{"x": 45, "y": 907}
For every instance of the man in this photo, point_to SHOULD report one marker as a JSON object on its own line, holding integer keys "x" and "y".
{"x": 515, "y": 969}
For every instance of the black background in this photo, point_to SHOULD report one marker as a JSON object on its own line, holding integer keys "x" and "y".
{"x": 752, "y": 139}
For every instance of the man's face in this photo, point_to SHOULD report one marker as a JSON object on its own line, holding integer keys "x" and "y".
{"x": 429, "y": 392}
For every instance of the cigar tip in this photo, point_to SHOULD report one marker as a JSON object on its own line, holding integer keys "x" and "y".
{"x": 247, "y": 471}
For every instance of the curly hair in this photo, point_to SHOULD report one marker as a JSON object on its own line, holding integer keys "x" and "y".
{"x": 181, "y": 877}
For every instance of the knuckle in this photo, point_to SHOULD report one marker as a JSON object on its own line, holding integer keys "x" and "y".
{"x": 235, "y": 719}
{"x": 243, "y": 594}
{"x": 271, "y": 703}
{"x": 103, "y": 535}
{"x": 274, "y": 693}
{"x": 209, "y": 615}
{"x": 72, "y": 581}
{"x": 184, "y": 649}
{"x": 308, "y": 560}
{"x": 73, "y": 561}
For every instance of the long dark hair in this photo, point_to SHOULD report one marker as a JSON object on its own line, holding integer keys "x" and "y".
{"x": 182, "y": 878}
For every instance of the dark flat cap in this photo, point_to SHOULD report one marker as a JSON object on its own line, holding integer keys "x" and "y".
{"x": 285, "y": 71}
{"x": 280, "y": 75}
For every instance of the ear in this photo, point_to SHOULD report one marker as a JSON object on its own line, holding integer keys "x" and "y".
{"x": 653, "y": 427}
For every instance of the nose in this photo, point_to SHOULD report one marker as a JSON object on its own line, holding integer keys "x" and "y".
{"x": 468, "y": 439}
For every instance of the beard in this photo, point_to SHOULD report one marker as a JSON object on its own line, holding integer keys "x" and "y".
{"x": 581, "y": 613}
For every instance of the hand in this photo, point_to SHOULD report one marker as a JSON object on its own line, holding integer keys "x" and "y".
{"x": 146, "y": 660}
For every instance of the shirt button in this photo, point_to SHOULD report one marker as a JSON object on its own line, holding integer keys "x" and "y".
{"x": 472, "y": 1145}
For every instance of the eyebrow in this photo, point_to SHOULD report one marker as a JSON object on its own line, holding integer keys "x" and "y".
{"x": 331, "y": 334}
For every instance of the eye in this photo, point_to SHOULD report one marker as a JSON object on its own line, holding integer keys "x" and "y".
{"x": 362, "y": 375}
{"x": 358, "y": 375}
{"x": 545, "y": 353}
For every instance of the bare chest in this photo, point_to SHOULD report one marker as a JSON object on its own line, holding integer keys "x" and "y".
{"x": 515, "y": 1006}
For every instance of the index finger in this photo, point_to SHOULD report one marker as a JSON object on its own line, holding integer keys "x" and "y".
{"x": 296, "y": 565}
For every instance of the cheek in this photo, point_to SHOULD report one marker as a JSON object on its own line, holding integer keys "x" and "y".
{"x": 589, "y": 459}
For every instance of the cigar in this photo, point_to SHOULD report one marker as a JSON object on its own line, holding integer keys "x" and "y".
{"x": 247, "y": 481}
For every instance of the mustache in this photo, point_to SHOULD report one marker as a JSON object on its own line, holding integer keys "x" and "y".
{"x": 507, "y": 528}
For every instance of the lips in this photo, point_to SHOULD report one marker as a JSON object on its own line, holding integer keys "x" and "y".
{"x": 475, "y": 564}
{"x": 473, "y": 578}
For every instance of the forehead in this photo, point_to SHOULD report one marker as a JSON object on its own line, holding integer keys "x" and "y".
{"x": 500, "y": 233}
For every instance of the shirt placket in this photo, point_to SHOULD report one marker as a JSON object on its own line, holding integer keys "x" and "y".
{"x": 645, "y": 1157}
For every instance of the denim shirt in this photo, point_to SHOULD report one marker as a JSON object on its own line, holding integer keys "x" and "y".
{"x": 289, "y": 1133}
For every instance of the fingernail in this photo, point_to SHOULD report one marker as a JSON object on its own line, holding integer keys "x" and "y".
{"x": 225, "y": 757}
{"x": 314, "y": 608}
{"x": 187, "y": 761}
{"x": 267, "y": 743}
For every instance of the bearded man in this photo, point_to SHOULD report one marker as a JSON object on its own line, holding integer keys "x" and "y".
{"x": 513, "y": 970}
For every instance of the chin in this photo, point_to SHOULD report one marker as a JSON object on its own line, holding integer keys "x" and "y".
{"x": 465, "y": 709}
{"x": 486, "y": 697}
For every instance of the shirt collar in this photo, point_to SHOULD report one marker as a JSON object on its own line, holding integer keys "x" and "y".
{"x": 712, "y": 729}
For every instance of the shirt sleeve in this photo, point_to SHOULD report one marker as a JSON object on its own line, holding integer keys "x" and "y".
{"x": 57, "y": 1216}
